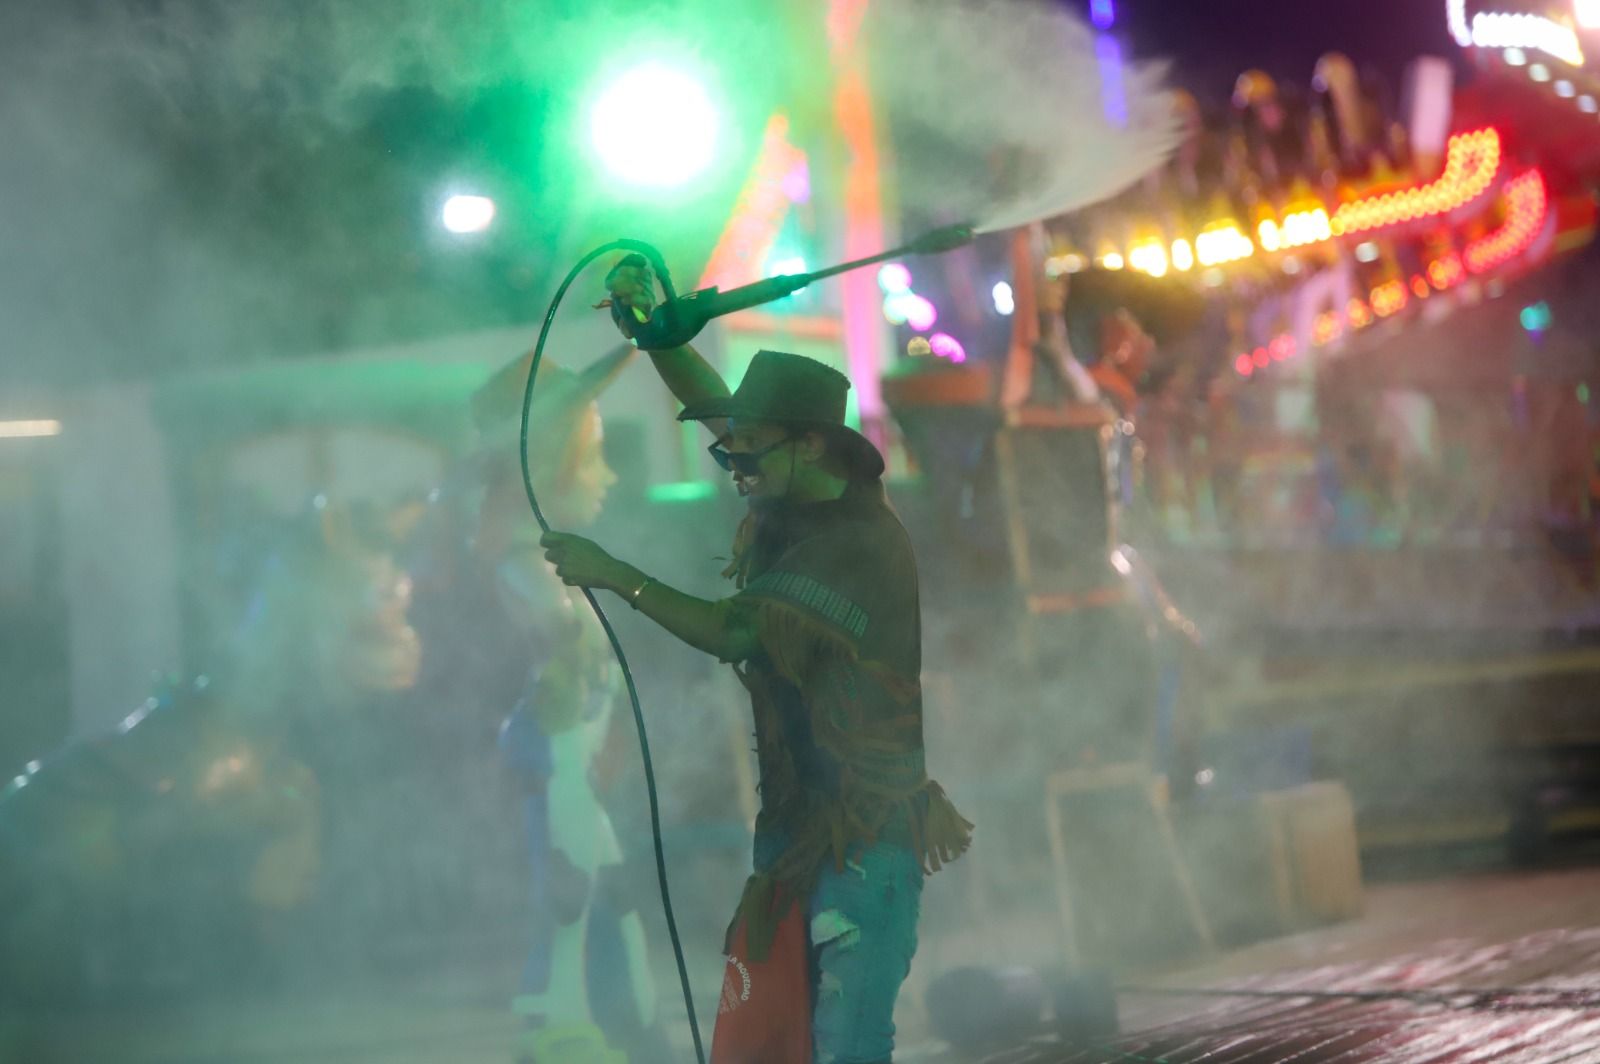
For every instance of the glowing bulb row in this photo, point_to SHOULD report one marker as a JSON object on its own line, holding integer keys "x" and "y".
{"x": 1504, "y": 29}
{"x": 1222, "y": 243}
{"x": 1471, "y": 162}
{"x": 1526, "y": 207}
{"x": 1383, "y": 301}
{"x": 1298, "y": 229}
{"x": 1149, "y": 256}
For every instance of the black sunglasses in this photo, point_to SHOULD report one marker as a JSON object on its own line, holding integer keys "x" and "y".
{"x": 745, "y": 463}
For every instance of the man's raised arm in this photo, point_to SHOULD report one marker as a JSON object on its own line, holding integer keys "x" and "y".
{"x": 685, "y": 372}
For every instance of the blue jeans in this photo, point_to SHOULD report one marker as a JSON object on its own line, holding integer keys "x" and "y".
{"x": 863, "y": 934}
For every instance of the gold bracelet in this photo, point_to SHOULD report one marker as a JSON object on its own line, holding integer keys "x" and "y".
{"x": 633, "y": 596}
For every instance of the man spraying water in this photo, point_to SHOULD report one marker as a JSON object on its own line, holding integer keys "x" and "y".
{"x": 824, "y": 631}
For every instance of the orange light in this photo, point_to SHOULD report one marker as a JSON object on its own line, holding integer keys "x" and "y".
{"x": 758, "y": 213}
{"x": 1389, "y": 298}
{"x": 1420, "y": 288}
{"x": 1222, "y": 242}
{"x": 1471, "y": 162}
{"x": 1149, "y": 256}
{"x": 1326, "y": 328}
{"x": 1526, "y": 207}
{"x": 1360, "y": 317}
{"x": 1445, "y": 271}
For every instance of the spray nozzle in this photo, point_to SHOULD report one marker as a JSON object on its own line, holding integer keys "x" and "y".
{"x": 939, "y": 241}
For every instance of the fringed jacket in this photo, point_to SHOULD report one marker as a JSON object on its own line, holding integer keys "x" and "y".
{"x": 831, "y": 587}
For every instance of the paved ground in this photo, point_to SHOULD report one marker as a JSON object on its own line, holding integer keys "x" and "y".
{"x": 1489, "y": 930}
{"x": 1499, "y": 931}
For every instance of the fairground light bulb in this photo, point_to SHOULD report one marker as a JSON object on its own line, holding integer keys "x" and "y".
{"x": 894, "y": 278}
{"x": 920, "y": 313}
{"x": 946, "y": 346}
{"x": 654, "y": 126}
{"x": 467, "y": 214}
{"x": 1004, "y": 301}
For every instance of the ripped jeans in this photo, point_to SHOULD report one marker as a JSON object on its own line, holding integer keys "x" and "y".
{"x": 863, "y": 933}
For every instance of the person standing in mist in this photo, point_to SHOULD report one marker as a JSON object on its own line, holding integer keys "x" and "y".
{"x": 587, "y": 967}
{"x": 824, "y": 630}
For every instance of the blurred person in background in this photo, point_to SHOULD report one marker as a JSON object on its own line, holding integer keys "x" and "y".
{"x": 587, "y": 965}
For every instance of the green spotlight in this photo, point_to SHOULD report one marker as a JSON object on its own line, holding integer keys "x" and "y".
{"x": 654, "y": 126}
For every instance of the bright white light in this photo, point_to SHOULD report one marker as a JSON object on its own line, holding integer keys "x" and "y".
{"x": 1150, "y": 258}
{"x": 1111, "y": 260}
{"x": 16, "y": 430}
{"x": 1564, "y": 89}
{"x": 1004, "y": 302}
{"x": 1182, "y": 255}
{"x": 467, "y": 214}
{"x": 1539, "y": 72}
{"x": 893, "y": 278}
{"x": 1586, "y": 104}
{"x": 1456, "y": 16}
{"x": 920, "y": 314}
{"x": 1225, "y": 244}
{"x": 1516, "y": 57}
{"x": 1367, "y": 252}
{"x": 31, "y": 767}
{"x": 1587, "y": 13}
{"x": 654, "y": 126}
{"x": 1499, "y": 29}
{"x": 792, "y": 264}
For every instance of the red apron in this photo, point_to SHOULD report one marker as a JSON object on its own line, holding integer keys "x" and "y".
{"x": 765, "y": 1013}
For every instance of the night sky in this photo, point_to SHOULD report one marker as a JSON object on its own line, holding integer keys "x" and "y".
{"x": 1212, "y": 41}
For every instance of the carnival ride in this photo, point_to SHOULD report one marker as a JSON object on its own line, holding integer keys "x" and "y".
{"x": 1367, "y": 461}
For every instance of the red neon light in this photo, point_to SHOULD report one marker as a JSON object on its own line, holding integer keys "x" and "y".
{"x": 1470, "y": 164}
{"x": 1526, "y": 207}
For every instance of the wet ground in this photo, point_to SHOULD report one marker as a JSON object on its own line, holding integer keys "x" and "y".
{"x": 1489, "y": 968}
{"x": 1503, "y": 933}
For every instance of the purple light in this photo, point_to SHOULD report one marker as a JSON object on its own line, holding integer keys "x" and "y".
{"x": 796, "y": 183}
{"x": 920, "y": 314}
{"x": 946, "y": 346}
{"x": 1113, "y": 99}
{"x": 1102, "y": 13}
